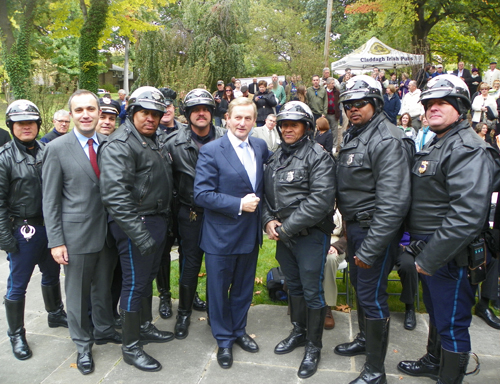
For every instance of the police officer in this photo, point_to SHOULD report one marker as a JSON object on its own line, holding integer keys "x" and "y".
{"x": 373, "y": 176}
{"x": 110, "y": 109}
{"x": 299, "y": 183}
{"x": 136, "y": 185}
{"x": 184, "y": 145}
{"x": 22, "y": 231}
{"x": 452, "y": 181}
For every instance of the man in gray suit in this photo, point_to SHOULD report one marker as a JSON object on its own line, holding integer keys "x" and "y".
{"x": 268, "y": 133}
{"x": 76, "y": 227}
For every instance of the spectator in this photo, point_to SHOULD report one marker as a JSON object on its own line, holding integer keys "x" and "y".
{"x": 317, "y": 99}
{"x": 480, "y": 106}
{"x": 404, "y": 85}
{"x": 123, "y": 102}
{"x": 61, "y": 121}
{"x": 253, "y": 87}
{"x": 218, "y": 97}
{"x": 268, "y": 133}
{"x": 411, "y": 104}
{"x": 237, "y": 89}
{"x": 279, "y": 92}
{"x": 392, "y": 104}
{"x": 423, "y": 76}
{"x": 424, "y": 135}
{"x": 324, "y": 135}
{"x": 405, "y": 125}
{"x": 291, "y": 89}
{"x": 333, "y": 112}
{"x": 492, "y": 74}
{"x": 474, "y": 82}
{"x": 484, "y": 132}
{"x": 265, "y": 101}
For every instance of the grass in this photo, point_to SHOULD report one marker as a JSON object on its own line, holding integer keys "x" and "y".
{"x": 267, "y": 261}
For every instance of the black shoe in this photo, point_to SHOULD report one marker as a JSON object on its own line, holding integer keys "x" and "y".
{"x": 150, "y": 334}
{"x": 115, "y": 338}
{"x": 410, "y": 319}
{"x": 181, "y": 329}
{"x": 354, "y": 348}
{"x": 165, "y": 307}
{"x": 297, "y": 338}
{"x": 135, "y": 355}
{"x": 247, "y": 343}
{"x": 225, "y": 357}
{"x": 85, "y": 363}
{"x": 426, "y": 366}
{"x": 57, "y": 319}
{"x": 199, "y": 304}
{"x": 309, "y": 364}
{"x": 488, "y": 316}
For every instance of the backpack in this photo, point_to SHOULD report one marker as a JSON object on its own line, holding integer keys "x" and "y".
{"x": 275, "y": 285}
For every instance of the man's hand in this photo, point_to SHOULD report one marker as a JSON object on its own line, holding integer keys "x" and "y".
{"x": 420, "y": 270}
{"x": 249, "y": 203}
{"x": 360, "y": 263}
{"x": 333, "y": 251}
{"x": 60, "y": 254}
{"x": 271, "y": 230}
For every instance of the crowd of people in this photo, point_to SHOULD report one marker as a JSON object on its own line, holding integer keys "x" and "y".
{"x": 108, "y": 204}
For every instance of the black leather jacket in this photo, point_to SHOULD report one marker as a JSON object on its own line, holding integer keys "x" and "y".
{"x": 265, "y": 103}
{"x": 184, "y": 152}
{"x": 373, "y": 175}
{"x": 452, "y": 182}
{"x": 299, "y": 192}
{"x": 20, "y": 189}
{"x": 136, "y": 180}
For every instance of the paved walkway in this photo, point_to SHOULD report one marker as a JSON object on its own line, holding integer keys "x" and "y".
{"x": 193, "y": 360}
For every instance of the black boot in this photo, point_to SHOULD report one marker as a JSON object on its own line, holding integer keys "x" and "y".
{"x": 298, "y": 317}
{"x": 54, "y": 306}
{"x": 132, "y": 351}
{"x": 377, "y": 340}
{"x": 14, "y": 311}
{"x": 427, "y": 365}
{"x": 149, "y": 333}
{"x": 312, "y": 355}
{"x": 199, "y": 304}
{"x": 357, "y": 346}
{"x": 163, "y": 285}
{"x": 186, "y": 297}
{"x": 453, "y": 367}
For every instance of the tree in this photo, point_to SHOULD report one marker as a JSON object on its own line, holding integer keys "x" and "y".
{"x": 282, "y": 37}
{"x": 218, "y": 35}
{"x": 95, "y": 21}
{"x": 17, "y": 48}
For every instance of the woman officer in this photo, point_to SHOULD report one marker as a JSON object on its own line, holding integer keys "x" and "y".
{"x": 299, "y": 182}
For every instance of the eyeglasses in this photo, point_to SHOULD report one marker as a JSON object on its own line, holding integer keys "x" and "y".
{"x": 356, "y": 104}
{"x": 62, "y": 121}
{"x": 229, "y": 90}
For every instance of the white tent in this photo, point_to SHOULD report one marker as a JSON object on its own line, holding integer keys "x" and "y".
{"x": 374, "y": 53}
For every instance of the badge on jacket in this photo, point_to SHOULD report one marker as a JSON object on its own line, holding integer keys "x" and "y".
{"x": 423, "y": 167}
{"x": 350, "y": 159}
{"x": 289, "y": 176}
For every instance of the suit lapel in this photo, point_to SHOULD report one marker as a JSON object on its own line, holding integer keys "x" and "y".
{"x": 233, "y": 159}
{"x": 81, "y": 158}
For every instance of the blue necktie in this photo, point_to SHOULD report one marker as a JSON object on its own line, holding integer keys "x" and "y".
{"x": 248, "y": 163}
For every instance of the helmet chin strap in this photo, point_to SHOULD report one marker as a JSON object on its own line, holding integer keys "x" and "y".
{"x": 449, "y": 127}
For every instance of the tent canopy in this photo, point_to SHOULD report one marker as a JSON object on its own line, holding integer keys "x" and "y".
{"x": 374, "y": 53}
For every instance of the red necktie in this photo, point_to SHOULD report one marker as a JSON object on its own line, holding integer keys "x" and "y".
{"x": 93, "y": 157}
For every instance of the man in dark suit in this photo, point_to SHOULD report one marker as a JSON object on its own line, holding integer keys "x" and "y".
{"x": 76, "y": 226}
{"x": 462, "y": 72}
{"x": 228, "y": 185}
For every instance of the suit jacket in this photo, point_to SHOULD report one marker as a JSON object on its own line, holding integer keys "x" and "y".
{"x": 262, "y": 133}
{"x": 466, "y": 74}
{"x": 72, "y": 207}
{"x": 221, "y": 182}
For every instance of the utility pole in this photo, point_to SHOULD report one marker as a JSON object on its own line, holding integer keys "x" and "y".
{"x": 125, "y": 66}
{"x": 327, "y": 31}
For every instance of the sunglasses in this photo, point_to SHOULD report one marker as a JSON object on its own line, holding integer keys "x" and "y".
{"x": 356, "y": 104}
{"x": 228, "y": 90}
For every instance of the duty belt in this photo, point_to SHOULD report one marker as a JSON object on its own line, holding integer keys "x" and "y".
{"x": 31, "y": 221}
